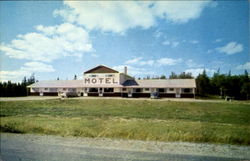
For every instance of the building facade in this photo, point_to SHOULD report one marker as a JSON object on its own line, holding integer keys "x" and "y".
{"x": 104, "y": 81}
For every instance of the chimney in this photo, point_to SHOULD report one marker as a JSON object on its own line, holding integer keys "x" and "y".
{"x": 125, "y": 70}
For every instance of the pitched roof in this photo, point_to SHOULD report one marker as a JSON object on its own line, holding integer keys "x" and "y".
{"x": 101, "y": 69}
{"x": 152, "y": 83}
{"x": 57, "y": 84}
{"x": 161, "y": 83}
{"x": 68, "y": 84}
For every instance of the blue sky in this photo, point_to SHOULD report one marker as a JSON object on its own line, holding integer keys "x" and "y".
{"x": 60, "y": 39}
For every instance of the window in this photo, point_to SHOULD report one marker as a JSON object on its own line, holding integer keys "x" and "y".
{"x": 45, "y": 89}
{"x": 171, "y": 89}
{"x": 124, "y": 89}
{"x": 137, "y": 90}
{"x": 92, "y": 75}
{"x": 35, "y": 89}
{"x": 187, "y": 90}
{"x": 64, "y": 89}
{"x": 146, "y": 89}
{"x": 109, "y": 75}
{"x": 53, "y": 89}
{"x": 93, "y": 90}
{"x": 108, "y": 89}
{"x": 161, "y": 90}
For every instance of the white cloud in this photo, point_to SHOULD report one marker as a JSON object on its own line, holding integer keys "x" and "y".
{"x": 166, "y": 42}
{"x": 175, "y": 44}
{"x": 231, "y": 48}
{"x": 108, "y": 16}
{"x": 49, "y": 43}
{"x": 191, "y": 64}
{"x": 158, "y": 34}
{"x": 133, "y": 61}
{"x": 148, "y": 62}
{"x": 118, "y": 16}
{"x": 94, "y": 55}
{"x": 134, "y": 70}
{"x": 168, "y": 61}
{"x": 218, "y": 40}
{"x": 210, "y": 51}
{"x": 171, "y": 43}
{"x": 163, "y": 61}
{"x": 196, "y": 71}
{"x": 245, "y": 66}
{"x": 180, "y": 11}
{"x": 26, "y": 70}
{"x": 194, "y": 41}
{"x": 139, "y": 61}
{"x": 37, "y": 67}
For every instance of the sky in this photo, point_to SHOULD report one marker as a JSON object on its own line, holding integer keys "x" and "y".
{"x": 65, "y": 38}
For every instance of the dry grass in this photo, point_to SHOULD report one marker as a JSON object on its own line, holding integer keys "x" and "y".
{"x": 143, "y": 120}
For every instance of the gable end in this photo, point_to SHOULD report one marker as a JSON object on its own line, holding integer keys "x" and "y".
{"x": 101, "y": 69}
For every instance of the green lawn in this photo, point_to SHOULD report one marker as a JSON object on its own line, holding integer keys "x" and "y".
{"x": 227, "y": 122}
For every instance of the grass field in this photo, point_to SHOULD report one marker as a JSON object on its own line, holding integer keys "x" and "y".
{"x": 219, "y": 122}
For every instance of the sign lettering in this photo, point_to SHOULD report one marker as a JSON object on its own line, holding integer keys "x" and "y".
{"x": 87, "y": 80}
{"x": 114, "y": 82}
{"x": 107, "y": 81}
{"x": 94, "y": 80}
{"x": 100, "y": 81}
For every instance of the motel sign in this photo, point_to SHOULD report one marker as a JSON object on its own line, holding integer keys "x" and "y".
{"x": 100, "y": 81}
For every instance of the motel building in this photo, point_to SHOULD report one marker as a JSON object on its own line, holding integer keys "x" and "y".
{"x": 103, "y": 81}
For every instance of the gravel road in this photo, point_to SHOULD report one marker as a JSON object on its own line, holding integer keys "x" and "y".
{"x": 27, "y": 147}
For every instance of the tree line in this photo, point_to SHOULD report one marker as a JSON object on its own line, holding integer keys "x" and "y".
{"x": 173, "y": 75}
{"x": 9, "y": 89}
{"x": 236, "y": 86}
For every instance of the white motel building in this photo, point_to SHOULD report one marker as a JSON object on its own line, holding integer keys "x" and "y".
{"x": 104, "y": 81}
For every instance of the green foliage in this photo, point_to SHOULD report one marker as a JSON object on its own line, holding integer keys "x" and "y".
{"x": 183, "y": 75}
{"x": 221, "y": 122}
{"x": 162, "y": 77}
{"x": 75, "y": 77}
{"x": 236, "y": 86}
{"x": 9, "y": 89}
{"x": 203, "y": 83}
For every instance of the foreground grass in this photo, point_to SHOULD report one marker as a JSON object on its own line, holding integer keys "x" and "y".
{"x": 131, "y": 119}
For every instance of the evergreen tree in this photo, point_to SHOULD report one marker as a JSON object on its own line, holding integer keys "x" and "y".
{"x": 203, "y": 83}
{"x": 31, "y": 79}
{"x": 162, "y": 77}
{"x": 173, "y": 76}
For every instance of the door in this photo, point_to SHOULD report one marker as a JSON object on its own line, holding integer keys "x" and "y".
{"x": 178, "y": 93}
{"x": 129, "y": 92}
{"x": 100, "y": 91}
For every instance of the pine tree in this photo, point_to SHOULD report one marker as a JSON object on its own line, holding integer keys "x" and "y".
{"x": 203, "y": 83}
